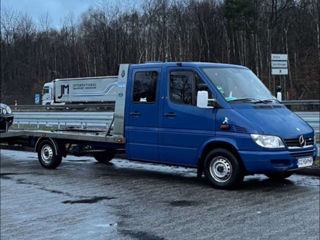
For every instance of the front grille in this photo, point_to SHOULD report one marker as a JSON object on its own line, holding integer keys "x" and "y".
{"x": 294, "y": 142}
{"x": 302, "y": 154}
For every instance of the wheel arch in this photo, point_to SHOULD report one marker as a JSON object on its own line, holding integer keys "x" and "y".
{"x": 214, "y": 144}
{"x": 54, "y": 143}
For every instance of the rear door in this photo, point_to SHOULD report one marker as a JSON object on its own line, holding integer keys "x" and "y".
{"x": 184, "y": 127}
{"x": 142, "y": 115}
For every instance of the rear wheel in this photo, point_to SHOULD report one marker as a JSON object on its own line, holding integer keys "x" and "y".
{"x": 279, "y": 175}
{"x": 104, "y": 157}
{"x": 47, "y": 155}
{"x": 222, "y": 169}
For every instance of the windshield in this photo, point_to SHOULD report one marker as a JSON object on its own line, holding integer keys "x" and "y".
{"x": 45, "y": 90}
{"x": 237, "y": 84}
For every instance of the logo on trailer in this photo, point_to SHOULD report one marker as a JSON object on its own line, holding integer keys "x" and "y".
{"x": 62, "y": 92}
{"x": 123, "y": 73}
{"x": 302, "y": 141}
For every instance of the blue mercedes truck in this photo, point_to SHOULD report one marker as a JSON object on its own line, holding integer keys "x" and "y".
{"x": 218, "y": 118}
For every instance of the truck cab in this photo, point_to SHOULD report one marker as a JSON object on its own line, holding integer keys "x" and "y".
{"x": 47, "y": 93}
{"x": 219, "y": 118}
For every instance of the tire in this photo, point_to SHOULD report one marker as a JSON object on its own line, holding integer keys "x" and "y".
{"x": 279, "y": 175}
{"x": 104, "y": 157}
{"x": 47, "y": 155}
{"x": 222, "y": 169}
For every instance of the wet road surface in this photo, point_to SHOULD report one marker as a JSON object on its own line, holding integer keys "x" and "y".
{"x": 83, "y": 199}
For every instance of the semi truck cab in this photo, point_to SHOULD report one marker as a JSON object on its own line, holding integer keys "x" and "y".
{"x": 47, "y": 93}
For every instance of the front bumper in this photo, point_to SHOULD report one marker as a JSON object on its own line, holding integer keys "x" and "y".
{"x": 274, "y": 161}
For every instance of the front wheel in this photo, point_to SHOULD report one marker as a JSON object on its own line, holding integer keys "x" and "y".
{"x": 222, "y": 169}
{"x": 47, "y": 155}
{"x": 279, "y": 175}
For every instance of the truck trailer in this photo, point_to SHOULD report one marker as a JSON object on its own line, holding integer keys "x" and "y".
{"x": 80, "y": 90}
{"x": 218, "y": 118}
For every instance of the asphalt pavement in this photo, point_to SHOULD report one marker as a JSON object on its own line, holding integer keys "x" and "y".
{"x": 83, "y": 199}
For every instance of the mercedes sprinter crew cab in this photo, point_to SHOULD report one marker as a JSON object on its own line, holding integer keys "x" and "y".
{"x": 218, "y": 118}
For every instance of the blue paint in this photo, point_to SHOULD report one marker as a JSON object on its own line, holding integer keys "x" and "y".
{"x": 37, "y": 98}
{"x": 180, "y": 139}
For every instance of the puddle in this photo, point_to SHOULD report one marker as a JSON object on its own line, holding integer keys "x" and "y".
{"x": 141, "y": 235}
{"x": 183, "y": 203}
{"x": 79, "y": 161}
{"x": 7, "y": 175}
{"x": 88, "y": 200}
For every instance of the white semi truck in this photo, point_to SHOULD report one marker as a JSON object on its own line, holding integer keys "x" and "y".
{"x": 80, "y": 90}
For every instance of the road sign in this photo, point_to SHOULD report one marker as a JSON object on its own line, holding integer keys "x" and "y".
{"x": 279, "y": 64}
{"x": 37, "y": 98}
{"x": 279, "y": 71}
{"x": 279, "y": 57}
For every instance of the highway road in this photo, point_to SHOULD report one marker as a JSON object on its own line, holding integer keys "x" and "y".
{"x": 83, "y": 199}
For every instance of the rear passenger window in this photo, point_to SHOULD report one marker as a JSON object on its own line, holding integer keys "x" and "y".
{"x": 145, "y": 87}
{"x": 184, "y": 86}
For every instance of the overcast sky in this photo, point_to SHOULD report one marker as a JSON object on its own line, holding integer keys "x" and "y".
{"x": 59, "y": 9}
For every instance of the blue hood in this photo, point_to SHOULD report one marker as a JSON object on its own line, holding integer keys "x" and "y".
{"x": 274, "y": 120}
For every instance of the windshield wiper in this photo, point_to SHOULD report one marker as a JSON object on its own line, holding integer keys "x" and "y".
{"x": 244, "y": 100}
{"x": 253, "y": 100}
{"x": 266, "y": 100}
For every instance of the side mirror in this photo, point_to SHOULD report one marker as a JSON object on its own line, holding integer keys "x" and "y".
{"x": 203, "y": 100}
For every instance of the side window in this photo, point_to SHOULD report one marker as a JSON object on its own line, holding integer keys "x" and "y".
{"x": 181, "y": 84}
{"x": 145, "y": 87}
{"x": 184, "y": 86}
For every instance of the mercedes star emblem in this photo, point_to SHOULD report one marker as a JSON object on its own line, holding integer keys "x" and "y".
{"x": 302, "y": 141}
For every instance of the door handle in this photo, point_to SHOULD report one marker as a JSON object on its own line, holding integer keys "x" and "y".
{"x": 135, "y": 114}
{"x": 170, "y": 114}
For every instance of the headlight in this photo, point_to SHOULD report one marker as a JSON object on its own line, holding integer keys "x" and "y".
{"x": 4, "y": 111}
{"x": 267, "y": 141}
{"x": 8, "y": 109}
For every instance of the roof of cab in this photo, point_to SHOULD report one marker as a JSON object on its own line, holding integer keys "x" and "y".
{"x": 187, "y": 64}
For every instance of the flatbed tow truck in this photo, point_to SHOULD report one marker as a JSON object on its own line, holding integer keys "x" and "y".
{"x": 52, "y": 145}
{"x": 218, "y": 118}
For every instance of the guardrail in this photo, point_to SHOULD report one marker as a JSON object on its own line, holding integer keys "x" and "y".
{"x": 100, "y": 115}
{"x": 99, "y": 119}
{"x": 303, "y": 105}
{"x": 294, "y": 105}
{"x": 313, "y": 118}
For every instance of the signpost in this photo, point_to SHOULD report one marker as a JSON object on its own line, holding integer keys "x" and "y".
{"x": 279, "y": 66}
{"x": 279, "y": 57}
{"x": 279, "y": 71}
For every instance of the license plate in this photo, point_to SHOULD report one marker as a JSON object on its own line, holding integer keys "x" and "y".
{"x": 305, "y": 162}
